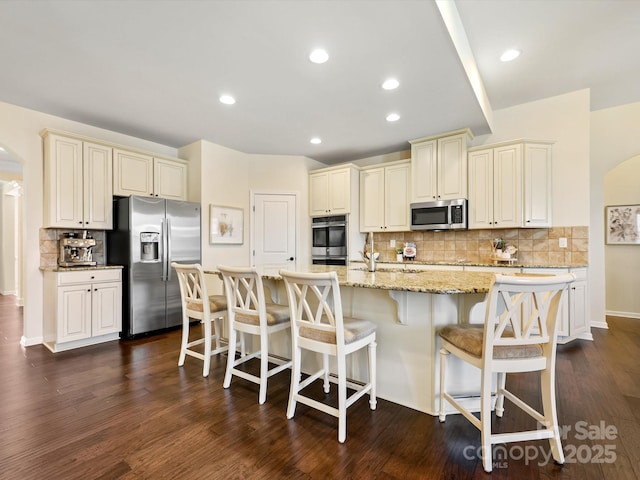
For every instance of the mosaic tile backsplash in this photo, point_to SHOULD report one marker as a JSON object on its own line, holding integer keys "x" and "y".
{"x": 536, "y": 246}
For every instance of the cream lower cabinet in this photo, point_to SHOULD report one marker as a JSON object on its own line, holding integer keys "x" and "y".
{"x": 385, "y": 193}
{"x": 139, "y": 174}
{"x": 83, "y": 307}
{"x": 578, "y": 325}
{"x": 77, "y": 183}
{"x": 574, "y": 318}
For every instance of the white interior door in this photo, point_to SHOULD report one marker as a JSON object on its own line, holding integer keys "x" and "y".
{"x": 274, "y": 229}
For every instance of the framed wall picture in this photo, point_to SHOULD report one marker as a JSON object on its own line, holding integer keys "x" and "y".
{"x": 623, "y": 224}
{"x": 226, "y": 225}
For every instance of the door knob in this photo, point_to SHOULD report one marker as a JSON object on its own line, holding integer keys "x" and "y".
{"x": 291, "y": 259}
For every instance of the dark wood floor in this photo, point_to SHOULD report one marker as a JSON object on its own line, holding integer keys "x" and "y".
{"x": 125, "y": 410}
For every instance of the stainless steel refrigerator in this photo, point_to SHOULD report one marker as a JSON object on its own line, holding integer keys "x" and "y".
{"x": 149, "y": 234}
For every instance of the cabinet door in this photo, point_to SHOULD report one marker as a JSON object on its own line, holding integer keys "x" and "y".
{"x": 537, "y": 186}
{"x": 169, "y": 179}
{"x": 424, "y": 176}
{"x": 63, "y": 182}
{"x": 339, "y": 192}
{"x": 74, "y": 313}
{"x": 578, "y": 321}
{"x": 372, "y": 200}
{"x": 481, "y": 189}
{"x": 98, "y": 186}
{"x": 106, "y": 308}
{"x": 132, "y": 173}
{"x": 507, "y": 186}
{"x": 319, "y": 194}
{"x": 397, "y": 195}
{"x": 452, "y": 167}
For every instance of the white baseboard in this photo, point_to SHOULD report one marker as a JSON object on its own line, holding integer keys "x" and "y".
{"x": 8, "y": 292}
{"x": 604, "y": 325}
{"x": 28, "y": 342}
{"x": 613, "y": 313}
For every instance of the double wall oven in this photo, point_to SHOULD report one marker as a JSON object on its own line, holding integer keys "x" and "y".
{"x": 329, "y": 236}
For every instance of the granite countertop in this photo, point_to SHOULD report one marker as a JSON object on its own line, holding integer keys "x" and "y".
{"x": 463, "y": 263}
{"x": 57, "y": 268}
{"x": 434, "y": 281}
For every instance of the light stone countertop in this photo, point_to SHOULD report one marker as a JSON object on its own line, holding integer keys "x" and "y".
{"x": 434, "y": 281}
{"x": 57, "y": 268}
{"x": 463, "y": 263}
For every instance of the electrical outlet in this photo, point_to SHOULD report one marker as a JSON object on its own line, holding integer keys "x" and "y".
{"x": 392, "y": 243}
{"x": 562, "y": 242}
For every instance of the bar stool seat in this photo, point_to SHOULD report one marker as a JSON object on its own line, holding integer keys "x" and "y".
{"x": 249, "y": 313}
{"x": 518, "y": 335}
{"x": 318, "y": 325}
{"x": 211, "y": 313}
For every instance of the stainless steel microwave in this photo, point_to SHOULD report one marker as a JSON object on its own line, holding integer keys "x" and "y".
{"x": 440, "y": 215}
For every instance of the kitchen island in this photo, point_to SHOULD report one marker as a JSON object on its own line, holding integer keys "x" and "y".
{"x": 408, "y": 309}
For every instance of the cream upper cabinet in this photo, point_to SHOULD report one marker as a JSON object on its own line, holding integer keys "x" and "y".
{"x": 169, "y": 179}
{"x": 385, "y": 197}
{"x": 439, "y": 167}
{"x": 78, "y": 179}
{"x": 132, "y": 173}
{"x": 507, "y": 186}
{"x": 331, "y": 190}
{"x": 510, "y": 186}
{"x": 139, "y": 174}
{"x": 537, "y": 196}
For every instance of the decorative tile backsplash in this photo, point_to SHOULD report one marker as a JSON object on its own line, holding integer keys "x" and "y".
{"x": 538, "y": 246}
{"x": 49, "y": 245}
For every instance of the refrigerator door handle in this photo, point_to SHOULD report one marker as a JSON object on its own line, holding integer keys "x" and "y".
{"x": 168, "y": 251}
{"x": 163, "y": 236}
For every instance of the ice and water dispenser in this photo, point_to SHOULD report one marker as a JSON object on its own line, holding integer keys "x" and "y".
{"x": 149, "y": 246}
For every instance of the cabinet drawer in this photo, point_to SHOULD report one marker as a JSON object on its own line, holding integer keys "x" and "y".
{"x": 89, "y": 276}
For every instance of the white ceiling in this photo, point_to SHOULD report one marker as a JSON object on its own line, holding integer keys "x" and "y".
{"x": 155, "y": 69}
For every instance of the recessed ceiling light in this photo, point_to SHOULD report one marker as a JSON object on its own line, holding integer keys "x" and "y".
{"x": 509, "y": 55}
{"x": 393, "y": 117}
{"x": 227, "y": 99}
{"x": 391, "y": 84}
{"x": 316, "y": 141}
{"x": 319, "y": 56}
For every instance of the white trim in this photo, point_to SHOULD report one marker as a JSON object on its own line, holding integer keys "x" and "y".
{"x": 614, "y": 313}
{"x": 29, "y": 342}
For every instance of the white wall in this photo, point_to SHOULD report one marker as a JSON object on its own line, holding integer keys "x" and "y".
{"x": 622, "y": 262}
{"x": 19, "y": 131}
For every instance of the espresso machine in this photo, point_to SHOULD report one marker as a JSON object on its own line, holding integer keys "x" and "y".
{"x": 76, "y": 251}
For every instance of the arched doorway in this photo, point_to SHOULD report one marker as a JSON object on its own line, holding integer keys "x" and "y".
{"x": 11, "y": 225}
{"x": 622, "y": 261}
